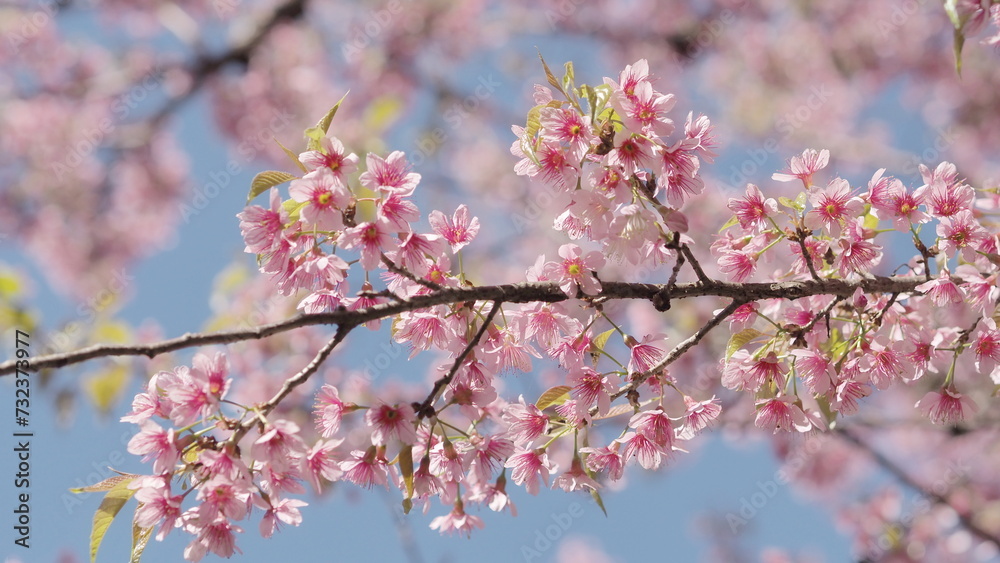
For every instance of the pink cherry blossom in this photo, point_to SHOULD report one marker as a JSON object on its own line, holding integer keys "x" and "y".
{"x": 391, "y": 423}
{"x": 390, "y": 174}
{"x": 781, "y": 413}
{"x": 459, "y": 230}
{"x": 803, "y": 167}
{"x": 332, "y": 155}
{"x": 329, "y": 410}
{"x": 155, "y": 443}
{"x": 832, "y": 206}
{"x": 525, "y": 422}
{"x": 530, "y": 468}
{"x": 261, "y": 227}
{"x": 753, "y": 210}
{"x": 946, "y": 406}
{"x": 325, "y": 197}
{"x": 606, "y": 459}
{"x": 457, "y": 521}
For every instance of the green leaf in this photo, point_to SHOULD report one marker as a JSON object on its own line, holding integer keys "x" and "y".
{"x": 406, "y": 468}
{"x": 140, "y": 538}
{"x": 313, "y": 137}
{"x": 801, "y": 199}
{"x": 600, "y": 502}
{"x": 741, "y": 339}
{"x": 534, "y": 122}
{"x": 555, "y": 396}
{"x": 951, "y": 8}
{"x": 602, "y": 339}
{"x": 871, "y": 221}
{"x": 111, "y": 505}
{"x": 266, "y": 180}
{"x": 324, "y": 124}
{"x": 957, "y": 47}
{"x": 732, "y": 221}
{"x": 293, "y": 208}
{"x": 382, "y": 111}
{"x": 10, "y": 285}
{"x": 791, "y": 203}
{"x": 568, "y": 78}
{"x": 293, "y": 156}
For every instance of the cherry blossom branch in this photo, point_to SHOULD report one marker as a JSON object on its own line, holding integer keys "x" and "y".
{"x": 298, "y": 379}
{"x": 426, "y": 408}
{"x": 801, "y": 238}
{"x": 525, "y": 292}
{"x": 702, "y": 277}
{"x": 911, "y": 482}
{"x": 205, "y": 66}
{"x": 399, "y": 270}
{"x": 678, "y": 350}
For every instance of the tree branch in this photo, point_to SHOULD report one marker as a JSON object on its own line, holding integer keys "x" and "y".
{"x": 679, "y": 350}
{"x": 911, "y": 482}
{"x": 525, "y": 292}
{"x": 426, "y": 409}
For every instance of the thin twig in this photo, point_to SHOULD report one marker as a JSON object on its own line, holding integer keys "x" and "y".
{"x": 399, "y": 270}
{"x": 801, "y": 236}
{"x": 426, "y": 408}
{"x": 297, "y": 379}
{"x": 695, "y": 265}
{"x": 679, "y": 350}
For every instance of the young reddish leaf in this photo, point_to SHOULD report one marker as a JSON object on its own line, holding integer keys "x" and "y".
{"x": 110, "y": 506}
{"x": 105, "y": 485}
{"x": 551, "y": 77}
{"x": 267, "y": 180}
{"x": 617, "y": 410}
{"x": 554, "y": 396}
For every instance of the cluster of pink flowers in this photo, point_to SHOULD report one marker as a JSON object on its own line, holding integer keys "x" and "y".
{"x": 301, "y": 241}
{"x": 878, "y": 340}
{"x": 621, "y": 185}
{"x": 198, "y": 457}
{"x": 609, "y": 165}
